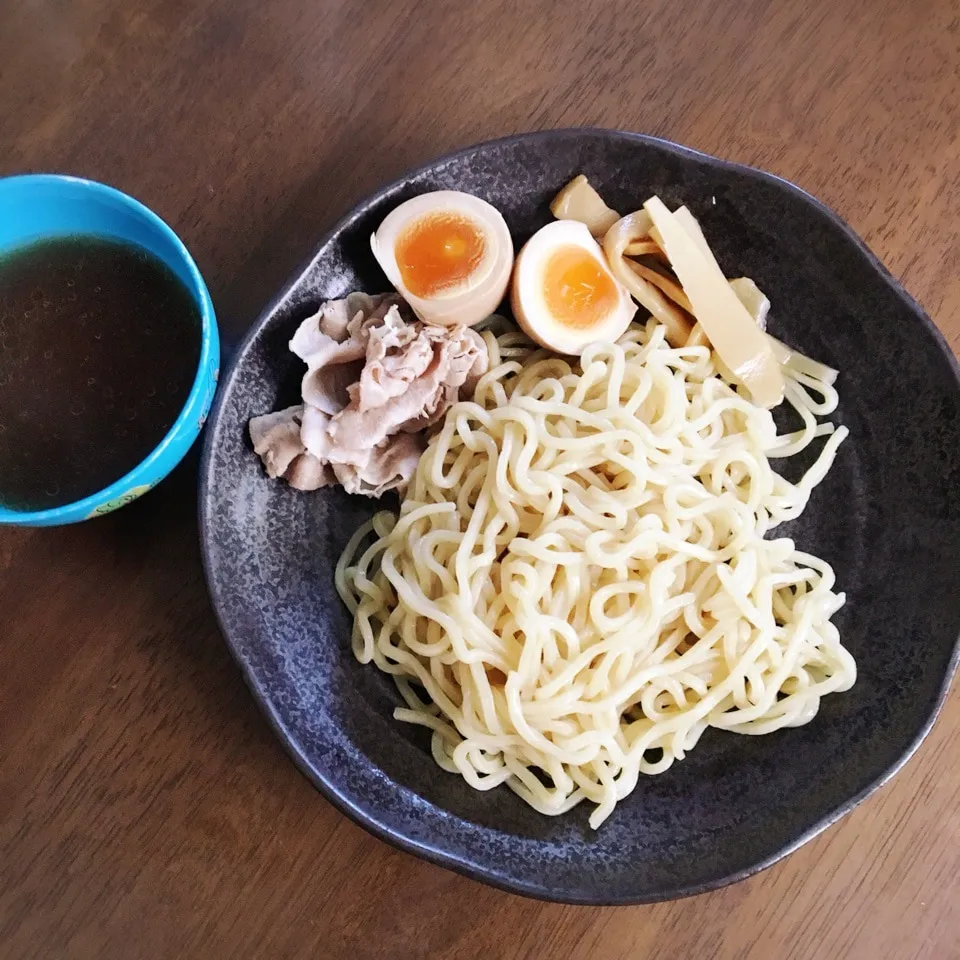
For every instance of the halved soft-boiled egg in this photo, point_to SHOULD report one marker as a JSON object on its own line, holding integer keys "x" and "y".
{"x": 449, "y": 254}
{"x": 564, "y": 295}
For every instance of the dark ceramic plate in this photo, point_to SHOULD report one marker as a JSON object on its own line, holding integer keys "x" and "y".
{"x": 886, "y": 518}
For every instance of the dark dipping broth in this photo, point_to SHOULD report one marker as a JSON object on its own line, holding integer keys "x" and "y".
{"x": 99, "y": 348}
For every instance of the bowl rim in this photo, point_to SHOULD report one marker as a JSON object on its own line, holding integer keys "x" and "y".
{"x": 289, "y": 738}
{"x": 157, "y": 464}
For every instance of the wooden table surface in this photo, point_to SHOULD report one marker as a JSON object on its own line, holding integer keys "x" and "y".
{"x": 145, "y": 808}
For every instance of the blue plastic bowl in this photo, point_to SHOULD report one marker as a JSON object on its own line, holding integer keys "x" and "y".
{"x": 37, "y": 207}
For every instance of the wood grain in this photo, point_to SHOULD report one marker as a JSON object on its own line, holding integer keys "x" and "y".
{"x": 145, "y": 809}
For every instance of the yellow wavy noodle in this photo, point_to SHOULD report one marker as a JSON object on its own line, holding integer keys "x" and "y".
{"x": 578, "y": 583}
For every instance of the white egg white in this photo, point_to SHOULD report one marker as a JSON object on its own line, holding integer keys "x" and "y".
{"x": 529, "y": 303}
{"x": 479, "y": 295}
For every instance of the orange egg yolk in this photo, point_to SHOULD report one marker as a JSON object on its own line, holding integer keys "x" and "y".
{"x": 578, "y": 292}
{"x": 437, "y": 252}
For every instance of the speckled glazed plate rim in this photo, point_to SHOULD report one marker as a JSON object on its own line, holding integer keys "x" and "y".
{"x": 288, "y": 737}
